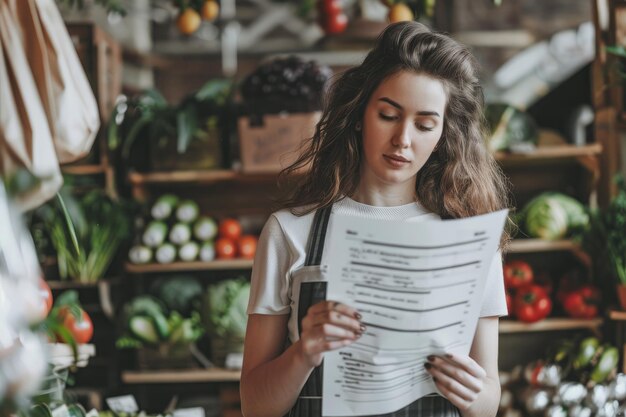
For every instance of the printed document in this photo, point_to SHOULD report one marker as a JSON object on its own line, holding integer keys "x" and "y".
{"x": 419, "y": 288}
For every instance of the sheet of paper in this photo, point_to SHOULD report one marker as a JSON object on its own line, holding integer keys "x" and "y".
{"x": 419, "y": 288}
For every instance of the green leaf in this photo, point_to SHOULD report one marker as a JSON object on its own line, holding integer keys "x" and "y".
{"x": 214, "y": 90}
{"x": 616, "y": 50}
{"x": 68, "y": 222}
{"x": 186, "y": 124}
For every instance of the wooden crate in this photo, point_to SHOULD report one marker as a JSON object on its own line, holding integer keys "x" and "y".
{"x": 273, "y": 143}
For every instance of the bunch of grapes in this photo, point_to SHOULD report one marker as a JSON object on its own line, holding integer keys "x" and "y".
{"x": 286, "y": 79}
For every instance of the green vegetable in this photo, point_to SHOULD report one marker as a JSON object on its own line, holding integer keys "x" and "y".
{"x": 166, "y": 253}
{"x": 225, "y": 307}
{"x": 205, "y": 228}
{"x": 179, "y": 293}
{"x": 187, "y": 211}
{"x": 86, "y": 232}
{"x": 185, "y": 330}
{"x": 155, "y": 234}
{"x": 586, "y": 351}
{"x": 510, "y": 128}
{"x": 552, "y": 216}
{"x": 140, "y": 254}
{"x": 164, "y": 207}
{"x": 144, "y": 304}
{"x": 144, "y": 329}
{"x": 606, "y": 365}
{"x": 606, "y": 238}
{"x": 207, "y": 252}
{"x": 180, "y": 233}
{"x": 189, "y": 251}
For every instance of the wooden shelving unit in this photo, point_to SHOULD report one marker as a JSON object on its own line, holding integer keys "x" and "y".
{"x": 219, "y": 264}
{"x": 181, "y": 376}
{"x": 137, "y": 179}
{"x": 549, "y": 324}
{"x": 83, "y": 169}
{"x": 518, "y": 246}
{"x": 543, "y": 153}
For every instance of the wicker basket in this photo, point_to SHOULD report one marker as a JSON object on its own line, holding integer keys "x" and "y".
{"x": 166, "y": 357}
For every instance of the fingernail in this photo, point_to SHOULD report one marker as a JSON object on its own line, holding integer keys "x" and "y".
{"x": 431, "y": 358}
{"x": 362, "y": 327}
{"x": 435, "y": 378}
{"x": 358, "y": 316}
{"x": 448, "y": 356}
{"x": 427, "y": 365}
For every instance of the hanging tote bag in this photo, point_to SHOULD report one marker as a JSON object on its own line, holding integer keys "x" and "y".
{"x": 64, "y": 89}
{"x": 25, "y": 138}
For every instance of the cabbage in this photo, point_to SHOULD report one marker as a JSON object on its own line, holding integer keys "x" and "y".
{"x": 553, "y": 216}
{"x": 226, "y": 303}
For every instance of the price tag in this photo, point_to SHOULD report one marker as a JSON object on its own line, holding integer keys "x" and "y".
{"x": 123, "y": 404}
{"x": 189, "y": 412}
{"x": 61, "y": 411}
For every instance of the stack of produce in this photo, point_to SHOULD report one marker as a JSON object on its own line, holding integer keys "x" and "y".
{"x": 552, "y": 216}
{"x": 531, "y": 296}
{"x": 578, "y": 378}
{"x": 176, "y": 230}
{"x": 285, "y": 85}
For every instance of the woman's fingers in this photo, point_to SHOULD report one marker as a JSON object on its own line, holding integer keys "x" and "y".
{"x": 455, "y": 371}
{"x": 452, "y": 396}
{"x": 335, "y": 313}
{"x": 449, "y": 384}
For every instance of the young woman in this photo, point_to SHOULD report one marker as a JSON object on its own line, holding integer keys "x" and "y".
{"x": 401, "y": 137}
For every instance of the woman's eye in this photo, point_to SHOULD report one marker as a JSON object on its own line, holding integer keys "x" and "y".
{"x": 386, "y": 116}
{"x": 425, "y": 128}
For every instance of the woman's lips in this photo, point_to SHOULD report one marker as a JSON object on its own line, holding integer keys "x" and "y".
{"x": 395, "y": 160}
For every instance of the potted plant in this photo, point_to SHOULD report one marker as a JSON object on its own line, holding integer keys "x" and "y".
{"x": 606, "y": 241}
{"x": 85, "y": 232}
{"x": 185, "y": 136}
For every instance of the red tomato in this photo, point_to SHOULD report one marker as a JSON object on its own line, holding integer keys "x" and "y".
{"x": 225, "y": 248}
{"x": 329, "y": 7}
{"x": 569, "y": 282}
{"x": 334, "y": 23}
{"x": 46, "y": 297}
{"x": 230, "y": 229}
{"x": 246, "y": 246}
{"x": 517, "y": 274}
{"x": 80, "y": 328}
{"x": 583, "y": 302}
{"x": 532, "y": 304}
{"x": 544, "y": 280}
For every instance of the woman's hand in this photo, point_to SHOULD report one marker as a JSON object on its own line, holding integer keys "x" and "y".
{"x": 459, "y": 378}
{"x": 328, "y": 325}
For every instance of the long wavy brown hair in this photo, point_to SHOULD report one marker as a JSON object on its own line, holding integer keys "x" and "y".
{"x": 460, "y": 179}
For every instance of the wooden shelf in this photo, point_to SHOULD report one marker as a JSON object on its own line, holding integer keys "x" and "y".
{"x": 202, "y": 177}
{"x": 540, "y": 245}
{"x": 68, "y": 285}
{"x": 190, "y": 266}
{"x": 550, "y": 324}
{"x": 618, "y": 315}
{"x": 551, "y": 152}
{"x": 175, "y": 376}
{"x": 83, "y": 169}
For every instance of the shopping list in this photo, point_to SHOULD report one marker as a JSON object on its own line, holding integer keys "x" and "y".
{"x": 419, "y": 289}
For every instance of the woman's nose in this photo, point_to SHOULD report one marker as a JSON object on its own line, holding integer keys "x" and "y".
{"x": 402, "y": 138}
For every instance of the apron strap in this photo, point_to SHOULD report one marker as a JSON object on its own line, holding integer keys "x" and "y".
{"x": 309, "y": 402}
{"x": 317, "y": 235}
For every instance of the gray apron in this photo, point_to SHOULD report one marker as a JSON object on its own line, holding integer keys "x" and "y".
{"x": 309, "y": 288}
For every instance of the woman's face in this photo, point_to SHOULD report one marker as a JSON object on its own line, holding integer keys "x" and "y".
{"x": 402, "y": 124}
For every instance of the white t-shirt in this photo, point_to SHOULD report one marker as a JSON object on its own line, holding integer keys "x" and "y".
{"x": 281, "y": 250}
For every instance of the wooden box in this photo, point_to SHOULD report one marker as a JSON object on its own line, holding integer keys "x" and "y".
{"x": 274, "y": 143}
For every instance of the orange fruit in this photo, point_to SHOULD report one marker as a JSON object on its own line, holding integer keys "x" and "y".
{"x": 188, "y": 21}
{"x": 210, "y": 10}
{"x": 399, "y": 12}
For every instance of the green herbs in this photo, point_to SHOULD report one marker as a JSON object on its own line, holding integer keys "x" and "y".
{"x": 86, "y": 233}
{"x": 607, "y": 237}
